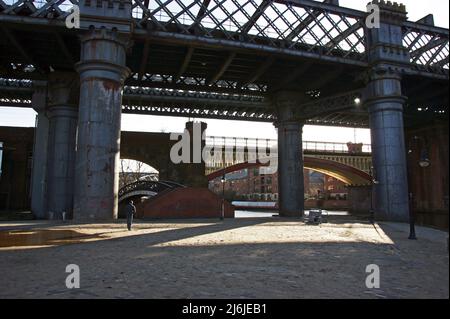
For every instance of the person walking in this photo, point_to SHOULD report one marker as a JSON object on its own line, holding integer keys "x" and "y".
{"x": 131, "y": 210}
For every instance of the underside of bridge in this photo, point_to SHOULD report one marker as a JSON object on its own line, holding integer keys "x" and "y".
{"x": 290, "y": 63}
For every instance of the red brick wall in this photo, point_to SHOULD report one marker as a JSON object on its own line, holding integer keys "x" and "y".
{"x": 430, "y": 186}
{"x": 16, "y": 167}
{"x": 185, "y": 203}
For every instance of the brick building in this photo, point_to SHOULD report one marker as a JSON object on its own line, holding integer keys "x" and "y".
{"x": 253, "y": 184}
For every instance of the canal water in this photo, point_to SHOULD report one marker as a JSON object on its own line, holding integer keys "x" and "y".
{"x": 268, "y": 214}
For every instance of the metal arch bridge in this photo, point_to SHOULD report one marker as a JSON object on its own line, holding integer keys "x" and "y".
{"x": 232, "y": 151}
{"x": 223, "y": 58}
{"x": 342, "y": 172}
{"x": 146, "y": 188}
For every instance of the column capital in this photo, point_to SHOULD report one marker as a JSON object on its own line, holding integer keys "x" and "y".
{"x": 63, "y": 89}
{"x": 39, "y": 98}
{"x": 290, "y": 99}
{"x": 385, "y": 71}
{"x": 103, "y": 33}
{"x": 384, "y": 86}
{"x": 103, "y": 55}
{"x": 289, "y": 125}
{"x": 287, "y": 106}
{"x": 62, "y": 111}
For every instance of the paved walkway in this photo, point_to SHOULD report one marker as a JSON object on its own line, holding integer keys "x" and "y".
{"x": 241, "y": 258}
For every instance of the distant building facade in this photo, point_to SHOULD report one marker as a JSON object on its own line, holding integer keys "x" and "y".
{"x": 253, "y": 184}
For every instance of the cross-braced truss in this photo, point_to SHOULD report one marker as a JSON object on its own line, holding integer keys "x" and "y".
{"x": 223, "y": 58}
{"x": 185, "y": 82}
{"x": 48, "y": 9}
{"x": 428, "y": 47}
{"x": 292, "y": 25}
{"x": 340, "y": 110}
{"x": 312, "y": 29}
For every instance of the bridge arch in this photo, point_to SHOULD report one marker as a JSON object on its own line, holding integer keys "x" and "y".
{"x": 153, "y": 163}
{"x": 346, "y": 174}
{"x": 132, "y": 165}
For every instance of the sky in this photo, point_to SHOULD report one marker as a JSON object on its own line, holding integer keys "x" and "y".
{"x": 416, "y": 9}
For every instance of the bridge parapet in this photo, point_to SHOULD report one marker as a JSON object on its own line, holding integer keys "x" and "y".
{"x": 236, "y": 150}
{"x": 308, "y": 146}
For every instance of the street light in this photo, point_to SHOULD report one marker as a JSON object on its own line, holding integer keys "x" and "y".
{"x": 374, "y": 182}
{"x": 424, "y": 162}
{"x": 1, "y": 156}
{"x": 223, "y": 180}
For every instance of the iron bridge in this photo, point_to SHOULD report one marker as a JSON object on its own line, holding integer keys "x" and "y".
{"x": 224, "y": 58}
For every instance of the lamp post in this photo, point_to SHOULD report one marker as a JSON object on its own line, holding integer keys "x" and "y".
{"x": 374, "y": 182}
{"x": 424, "y": 162}
{"x": 1, "y": 156}
{"x": 223, "y": 180}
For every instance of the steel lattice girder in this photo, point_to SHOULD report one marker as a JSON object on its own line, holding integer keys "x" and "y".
{"x": 150, "y": 101}
{"x": 331, "y": 32}
{"x": 340, "y": 109}
{"x": 429, "y": 48}
{"x": 303, "y": 28}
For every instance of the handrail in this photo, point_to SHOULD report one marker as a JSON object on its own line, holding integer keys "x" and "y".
{"x": 318, "y": 146}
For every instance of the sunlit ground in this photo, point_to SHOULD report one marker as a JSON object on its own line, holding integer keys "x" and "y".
{"x": 240, "y": 258}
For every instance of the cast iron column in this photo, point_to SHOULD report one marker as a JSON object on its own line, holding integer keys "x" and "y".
{"x": 102, "y": 70}
{"x": 385, "y": 102}
{"x": 62, "y": 114}
{"x": 39, "y": 169}
{"x": 290, "y": 156}
{"x": 102, "y": 74}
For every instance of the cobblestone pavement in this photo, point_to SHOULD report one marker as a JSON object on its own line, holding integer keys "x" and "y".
{"x": 242, "y": 258}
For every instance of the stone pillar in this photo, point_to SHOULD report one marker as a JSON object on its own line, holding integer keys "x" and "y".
{"x": 191, "y": 171}
{"x": 195, "y": 170}
{"x": 62, "y": 114}
{"x": 291, "y": 187}
{"x": 360, "y": 199}
{"x": 385, "y": 102}
{"x": 39, "y": 169}
{"x": 102, "y": 74}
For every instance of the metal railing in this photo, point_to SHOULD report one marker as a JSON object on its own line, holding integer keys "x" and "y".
{"x": 308, "y": 146}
